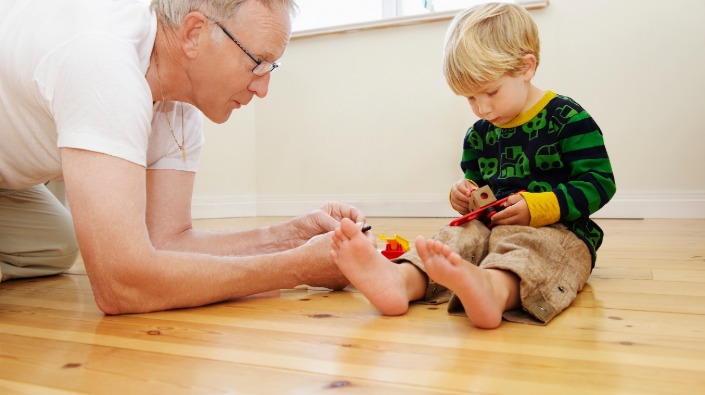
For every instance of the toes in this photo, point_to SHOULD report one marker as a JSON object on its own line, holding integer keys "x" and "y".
{"x": 348, "y": 228}
{"x": 455, "y": 259}
{"x": 421, "y": 247}
{"x": 438, "y": 247}
{"x": 446, "y": 250}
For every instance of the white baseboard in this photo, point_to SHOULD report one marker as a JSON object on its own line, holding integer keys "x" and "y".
{"x": 224, "y": 207}
{"x": 655, "y": 205}
{"x": 623, "y": 205}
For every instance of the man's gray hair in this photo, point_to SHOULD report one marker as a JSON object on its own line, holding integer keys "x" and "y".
{"x": 172, "y": 12}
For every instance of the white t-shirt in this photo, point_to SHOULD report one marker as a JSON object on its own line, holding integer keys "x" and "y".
{"x": 72, "y": 74}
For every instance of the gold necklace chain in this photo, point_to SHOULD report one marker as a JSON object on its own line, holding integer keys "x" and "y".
{"x": 171, "y": 129}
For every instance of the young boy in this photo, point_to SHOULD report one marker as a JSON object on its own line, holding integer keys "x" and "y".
{"x": 540, "y": 149}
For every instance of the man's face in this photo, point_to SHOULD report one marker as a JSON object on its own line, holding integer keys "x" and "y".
{"x": 221, "y": 76}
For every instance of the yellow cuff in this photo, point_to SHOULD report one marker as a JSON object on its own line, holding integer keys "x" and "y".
{"x": 543, "y": 208}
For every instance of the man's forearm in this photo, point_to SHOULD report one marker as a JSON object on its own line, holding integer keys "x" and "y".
{"x": 264, "y": 240}
{"x": 165, "y": 280}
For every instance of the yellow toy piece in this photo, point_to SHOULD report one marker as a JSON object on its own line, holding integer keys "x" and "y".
{"x": 394, "y": 242}
{"x": 396, "y": 246}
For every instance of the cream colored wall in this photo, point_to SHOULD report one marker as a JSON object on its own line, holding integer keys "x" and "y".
{"x": 226, "y": 180}
{"x": 366, "y": 117}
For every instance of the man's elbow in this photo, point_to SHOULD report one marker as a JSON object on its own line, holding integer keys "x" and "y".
{"x": 119, "y": 289}
{"x": 169, "y": 240}
{"x": 113, "y": 301}
{"x": 109, "y": 307}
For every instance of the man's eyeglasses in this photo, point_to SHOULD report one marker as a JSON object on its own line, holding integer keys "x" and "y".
{"x": 263, "y": 67}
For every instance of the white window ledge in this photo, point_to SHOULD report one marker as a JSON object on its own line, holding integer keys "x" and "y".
{"x": 398, "y": 21}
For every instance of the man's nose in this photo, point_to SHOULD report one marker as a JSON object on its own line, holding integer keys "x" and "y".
{"x": 260, "y": 85}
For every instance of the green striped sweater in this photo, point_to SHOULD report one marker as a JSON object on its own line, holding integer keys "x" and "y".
{"x": 556, "y": 147}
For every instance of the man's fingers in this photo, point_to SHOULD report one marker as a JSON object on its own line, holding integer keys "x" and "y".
{"x": 339, "y": 211}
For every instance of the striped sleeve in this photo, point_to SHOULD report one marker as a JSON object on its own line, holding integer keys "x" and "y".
{"x": 592, "y": 182}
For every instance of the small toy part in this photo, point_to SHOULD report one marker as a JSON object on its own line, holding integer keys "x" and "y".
{"x": 481, "y": 197}
{"x": 366, "y": 228}
{"x": 484, "y": 214}
{"x": 396, "y": 246}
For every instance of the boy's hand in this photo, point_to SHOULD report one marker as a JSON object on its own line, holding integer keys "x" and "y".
{"x": 516, "y": 212}
{"x": 460, "y": 196}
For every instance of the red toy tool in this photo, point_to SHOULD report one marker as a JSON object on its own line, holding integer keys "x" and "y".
{"x": 486, "y": 211}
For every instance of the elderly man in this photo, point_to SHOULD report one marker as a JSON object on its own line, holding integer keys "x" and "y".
{"x": 109, "y": 96}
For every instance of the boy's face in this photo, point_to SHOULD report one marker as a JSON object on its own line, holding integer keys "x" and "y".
{"x": 502, "y": 100}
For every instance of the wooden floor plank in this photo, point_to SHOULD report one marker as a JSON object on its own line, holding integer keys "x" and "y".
{"x": 638, "y": 327}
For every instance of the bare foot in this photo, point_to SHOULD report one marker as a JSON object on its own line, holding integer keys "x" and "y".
{"x": 383, "y": 282}
{"x": 485, "y": 293}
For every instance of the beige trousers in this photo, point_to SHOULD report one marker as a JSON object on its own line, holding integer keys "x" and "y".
{"x": 36, "y": 234}
{"x": 552, "y": 263}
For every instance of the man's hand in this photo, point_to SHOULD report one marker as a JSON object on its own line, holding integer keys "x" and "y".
{"x": 460, "y": 196}
{"x": 339, "y": 211}
{"x": 321, "y": 221}
{"x": 516, "y": 212}
{"x": 320, "y": 270}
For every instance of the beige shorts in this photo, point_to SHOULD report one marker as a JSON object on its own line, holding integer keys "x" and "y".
{"x": 552, "y": 263}
{"x": 36, "y": 234}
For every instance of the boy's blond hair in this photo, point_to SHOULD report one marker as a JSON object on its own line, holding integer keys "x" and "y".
{"x": 486, "y": 42}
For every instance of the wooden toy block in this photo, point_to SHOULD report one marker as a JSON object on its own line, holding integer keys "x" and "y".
{"x": 481, "y": 197}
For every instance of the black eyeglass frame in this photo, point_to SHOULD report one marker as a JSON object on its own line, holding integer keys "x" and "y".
{"x": 261, "y": 68}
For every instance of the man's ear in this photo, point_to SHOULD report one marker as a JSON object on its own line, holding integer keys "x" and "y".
{"x": 529, "y": 63}
{"x": 193, "y": 28}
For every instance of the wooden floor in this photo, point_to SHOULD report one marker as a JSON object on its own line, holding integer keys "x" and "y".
{"x": 637, "y": 328}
